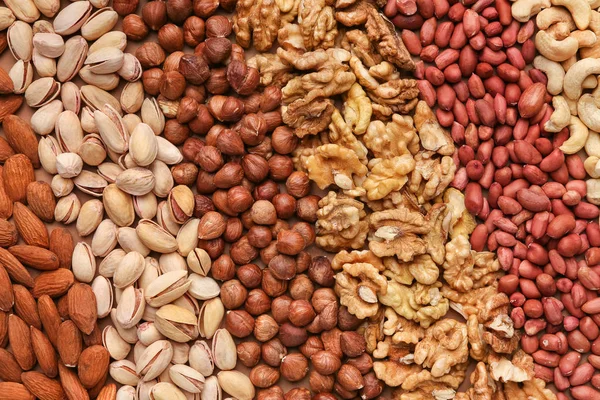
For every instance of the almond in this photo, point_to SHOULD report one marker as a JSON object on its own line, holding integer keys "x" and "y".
{"x": 7, "y": 298}
{"x": 68, "y": 343}
{"x": 18, "y": 273}
{"x": 20, "y": 342}
{"x": 71, "y": 384}
{"x": 30, "y": 227}
{"x": 6, "y": 84}
{"x": 21, "y": 137}
{"x": 44, "y": 352}
{"x": 93, "y": 365}
{"x": 62, "y": 304}
{"x": 53, "y": 283}
{"x": 17, "y": 174}
{"x": 26, "y": 307}
{"x": 108, "y": 392}
{"x": 49, "y": 317}
{"x": 5, "y": 150}
{"x": 93, "y": 338}
{"x": 42, "y": 387}
{"x": 8, "y": 233}
{"x": 93, "y": 392}
{"x": 61, "y": 244}
{"x": 41, "y": 200}
{"x": 3, "y": 329}
{"x": 35, "y": 257}
{"x": 82, "y": 307}
{"x": 14, "y": 391}
{"x": 6, "y": 203}
{"x": 10, "y": 371}
{"x": 9, "y": 105}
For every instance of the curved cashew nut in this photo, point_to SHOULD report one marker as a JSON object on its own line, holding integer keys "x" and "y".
{"x": 589, "y": 83}
{"x": 568, "y": 63}
{"x": 595, "y": 20}
{"x": 579, "y": 134}
{"x": 592, "y": 144}
{"x": 590, "y": 166}
{"x": 572, "y": 105}
{"x": 554, "y": 15}
{"x": 559, "y": 31}
{"x": 585, "y": 38}
{"x": 593, "y": 191}
{"x": 523, "y": 10}
{"x": 560, "y": 117}
{"x": 576, "y": 75}
{"x": 580, "y": 11}
{"x": 555, "y": 50}
{"x": 592, "y": 51}
{"x": 589, "y": 114}
{"x": 554, "y": 71}
{"x": 593, "y": 4}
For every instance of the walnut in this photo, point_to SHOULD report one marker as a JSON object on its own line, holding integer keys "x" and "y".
{"x": 288, "y": 9}
{"x": 341, "y": 223}
{"x": 271, "y": 69}
{"x": 357, "y": 42}
{"x": 317, "y": 23}
{"x": 451, "y": 380}
{"x": 519, "y": 369}
{"x": 290, "y": 38}
{"x": 257, "y": 21}
{"x": 479, "y": 349}
{"x": 421, "y": 303}
{"x": 431, "y": 175}
{"x": 308, "y": 118}
{"x": 461, "y": 222}
{"x": 429, "y": 390}
{"x": 422, "y": 269}
{"x": 394, "y": 373}
{"x": 334, "y": 164}
{"x": 433, "y": 136}
{"x": 305, "y": 149}
{"x": 482, "y": 387}
{"x": 387, "y": 175}
{"x": 532, "y": 389}
{"x": 357, "y": 109}
{"x": 341, "y": 133}
{"x": 474, "y": 300}
{"x": 445, "y": 345}
{"x": 396, "y": 138}
{"x": 400, "y": 329}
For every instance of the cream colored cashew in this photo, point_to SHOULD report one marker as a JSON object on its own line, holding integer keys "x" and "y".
{"x": 590, "y": 166}
{"x": 594, "y": 4}
{"x": 556, "y": 50}
{"x": 593, "y": 191}
{"x": 585, "y": 38}
{"x": 578, "y": 136}
{"x": 589, "y": 114}
{"x": 592, "y": 144}
{"x": 595, "y": 21}
{"x": 596, "y": 92}
{"x": 580, "y": 11}
{"x": 523, "y": 10}
{"x": 560, "y": 117}
{"x": 554, "y": 71}
{"x": 592, "y": 51}
{"x": 590, "y": 82}
{"x": 572, "y": 105}
{"x": 559, "y": 31}
{"x": 576, "y": 75}
{"x": 554, "y": 15}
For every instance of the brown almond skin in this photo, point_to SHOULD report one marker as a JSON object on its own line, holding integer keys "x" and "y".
{"x": 108, "y": 392}
{"x": 3, "y": 329}
{"x": 10, "y": 371}
{"x": 18, "y": 273}
{"x": 6, "y": 206}
{"x": 71, "y": 383}
{"x": 44, "y": 352}
{"x": 41, "y": 201}
{"x": 17, "y": 174}
{"x": 8, "y": 233}
{"x": 42, "y": 387}
{"x": 61, "y": 244}
{"x": 50, "y": 318}
{"x": 68, "y": 343}
{"x": 82, "y": 307}
{"x": 26, "y": 307}
{"x": 14, "y": 391}
{"x": 53, "y": 283}
{"x": 93, "y": 365}
{"x": 30, "y": 227}
{"x": 35, "y": 257}
{"x": 7, "y": 298}
{"x": 20, "y": 341}
{"x": 21, "y": 138}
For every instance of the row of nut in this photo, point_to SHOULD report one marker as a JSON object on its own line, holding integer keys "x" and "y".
{"x": 535, "y": 216}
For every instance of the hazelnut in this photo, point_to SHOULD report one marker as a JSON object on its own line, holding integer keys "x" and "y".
{"x": 272, "y": 286}
{"x": 217, "y": 49}
{"x": 257, "y": 302}
{"x": 264, "y": 149}
{"x": 179, "y": 10}
{"x": 233, "y": 294}
{"x": 209, "y": 158}
{"x": 205, "y": 8}
{"x": 228, "y": 5}
{"x": 320, "y": 383}
{"x": 233, "y": 230}
{"x": 280, "y": 167}
{"x": 347, "y": 321}
{"x": 172, "y": 85}
{"x": 353, "y": 344}
{"x": 268, "y": 253}
{"x": 218, "y": 26}
{"x": 223, "y": 268}
{"x": 202, "y": 205}
{"x": 230, "y": 143}
{"x": 325, "y": 362}
{"x": 259, "y": 236}
{"x": 263, "y": 213}
{"x": 134, "y": 27}
{"x": 373, "y": 387}
{"x": 322, "y": 297}
{"x": 214, "y": 247}
{"x": 188, "y": 109}
{"x": 272, "y": 393}
{"x": 176, "y": 133}
{"x": 193, "y": 31}
{"x": 213, "y": 134}
{"x": 294, "y": 367}
{"x": 280, "y": 225}
{"x": 230, "y": 175}
{"x": 125, "y": 7}
{"x": 331, "y": 342}
{"x": 250, "y": 275}
{"x": 226, "y": 108}
{"x": 151, "y": 79}
{"x": 247, "y": 219}
{"x": 252, "y": 102}
{"x": 285, "y": 205}
{"x": 350, "y": 378}
{"x": 211, "y": 226}
{"x": 298, "y": 184}
{"x": 290, "y": 242}
{"x": 205, "y": 182}
{"x": 255, "y": 167}
{"x": 237, "y": 53}
{"x": 150, "y": 54}
{"x": 252, "y": 128}
{"x": 184, "y": 173}
{"x": 307, "y": 207}
{"x": 311, "y": 346}
{"x": 321, "y": 272}
{"x": 190, "y": 148}
{"x": 242, "y": 252}
{"x": 297, "y": 394}
{"x": 239, "y": 323}
{"x": 271, "y": 99}
{"x": 263, "y": 376}
{"x": 326, "y": 320}
{"x": 194, "y": 69}
{"x": 265, "y": 328}
{"x": 202, "y": 122}
{"x": 154, "y": 14}
{"x": 280, "y": 308}
{"x": 343, "y": 393}
{"x": 324, "y": 396}
{"x": 364, "y": 363}
{"x": 284, "y": 140}
{"x": 248, "y": 353}
{"x": 272, "y": 352}
{"x": 217, "y": 81}
{"x": 243, "y": 79}
{"x": 301, "y": 313}
{"x": 301, "y": 288}
{"x": 172, "y": 61}
{"x": 292, "y": 336}
{"x": 307, "y": 232}
{"x": 170, "y": 37}
{"x": 266, "y": 191}
{"x": 196, "y": 92}
{"x": 283, "y": 267}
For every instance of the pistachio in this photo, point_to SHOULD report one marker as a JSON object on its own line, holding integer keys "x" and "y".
{"x": 21, "y": 75}
{"x": 116, "y": 346}
{"x": 153, "y": 116}
{"x": 149, "y": 314}
{"x": 199, "y": 261}
{"x": 118, "y": 205}
{"x": 136, "y": 181}
{"x": 129, "y": 270}
{"x": 176, "y": 323}
{"x": 143, "y": 146}
{"x": 44, "y": 66}
{"x": 187, "y": 237}
{"x": 88, "y": 122}
{"x": 203, "y": 287}
{"x": 166, "y": 391}
{"x": 223, "y": 350}
{"x": 99, "y": 23}
{"x": 103, "y": 81}
{"x": 102, "y": 289}
{"x": 43, "y": 26}
{"x": 210, "y": 317}
{"x": 112, "y": 129}
{"x": 237, "y": 384}
{"x": 109, "y": 263}
{"x": 6, "y": 18}
{"x": 142, "y": 391}
{"x": 98, "y": 99}
{"x": 150, "y": 274}
{"x": 181, "y": 203}
{"x": 20, "y": 40}
{"x": 24, "y": 10}
{"x": 167, "y": 288}
{"x": 212, "y": 389}
{"x": 48, "y": 7}
{"x": 104, "y": 240}
{"x": 71, "y": 97}
{"x": 148, "y": 334}
{"x": 99, "y": 3}
{"x": 68, "y": 165}
{"x": 201, "y": 359}
{"x": 70, "y": 19}
{"x": 109, "y": 171}
{"x": 165, "y": 219}
{"x": 105, "y": 61}
{"x": 168, "y": 152}
{"x": 92, "y": 150}
{"x": 181, "y": 352}
{"x": 154, "y": 360}
{"x": 68, "y": 131}
{"x": 171, "y": 262}
{"x": 132, "y": 97}
{"x": 125, "y": 392}
{"x": 61, "y": 186}
{"x": 155, "y": 237}
{"x": 83, "y": 262}
{"x": 164, "y": 181}
{"x": 145, "y": 206}
{"x": 128, "y": 334}
{"x": 116, "y": 39}
{"x": 41, "y": 92}
{"x": 72, "y": 59}
{"x": 131, "y": 307}
{"x": 131, "y": 121}
{"x": 67, "y": 209}
{"x": 90, "y": 216}
{"x": 48, "y": 149}
{"x": 129, "y": 240}
{"x": 125, "y": 161}
{"x": 44, "y": 119}
{"x": 187, "y": 378}
{"x": 123, "y": 371}
{"x": 189, "y": 303}
{"x": 49, "y": 45}
{"x": 131, "y": 70}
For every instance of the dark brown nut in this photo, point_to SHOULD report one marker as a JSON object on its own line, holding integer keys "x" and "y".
{"x": 272, "y": 286}
{"x": 320, "y": 383}
{"x": 151, "y": 79}
{"x": 373, "y": 387}
{"x": 265, "y": 328}
{"x": 230, "y": 143}
{"x": 303, "y": 260}
{"x": 196, "y": 92}
{"x": 202, "y": 205}
{"x": 248, "y": 353}
{"x": 285, "y": 205}
{"x": 256, "y": 168}
{"x": 188, "y": 110}
{"x": 252, "y": 129}
{"x": 280, "y": 225}
{"x": 294, "y": 367}
{"x": 284, "y": 140}
{"x": 307, "y": 207}
{"x": 273, "y": 119}
{"x": 292, "y": 336}
{"x": 350, "y": 378}
{"x": 172, "y": 61}
{"x": 347, "y": 321}
{"x": 307, "y": 232}
{"x": 353, "y": 344}
{"x": 272, "y": 352}
{"x": 239, "y": 323}
{"x": 312, "y": 345}
{"x": 250, "y": 275}
{"x": 203, "y": 121}
{"x": 271, "y": 99}
{"x": 242, "y": 252}
{"x": 259, "y": 236}
{"x": 223, "y": 268}
{"x": 272, "y": 393}
{"x": 257, "y": 302}
{"x": 209, "y": 158}
{"x": 220, "y": 201}
{"x": 170, "y": 37}
{"x": 190, "y": 148}
{"x": 280, "y": 167}
{"x": 331, "y": 341}
{"x": 172, "y": 85}
{"x": 150, "y": 54}
{"x": 217, "y": 82}
{"x": 283, "y": 267}
{"x": 214, "y": 247}
{"x": 211, "y": 226}
{"x": 233, "y": 294}
{"x": 226, "y": 108}
{"x": 154, "y": 14}
{"x": 323, "y": 297}
{"x": 263, "y": 213}
{"x": 280, "y": 308}
{"x": 298, "y": 184}
{"x": 325, "y": 362}
{"x": 301, "y": 288}
{"x": 228, "y": 5}
{"x": 263, "y": 149}
{"x": 193, "y": 31}
{"x": 290, "y": 242}
{"x": 184, "y": 173}
{"x": 125, "y": 7}
{"x": 263, "y": 376}
{"x": 233, "y": 230}
{"x": 230, "y": 175}
{"x": 252, "y": 102}
{"x": 135, "y": 28}
{"x": 213, "y": 134}
{"x": 364, "y": 363}
{"x": 218, "y": 26}
{"x": 268, "y": 253}
{"x": 194, "y": 69}
{"x": 205, "y": 8}
{"x": 176, "y": 133}
{"x": 301, "y": 313}
{"x": 343, "y": 393}
{"x": 321, "y": 272}
{"x": 266, "y": 191}
{"x": 205, "y": 182}
{"x": 216, "y": 50}
{"x": 237, "y": 53}
{"x": 298, "y": 394}
{"x": 243, "y": 79}
{"x": 179, "y": 10}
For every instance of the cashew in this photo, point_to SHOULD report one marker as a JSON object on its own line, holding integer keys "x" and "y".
{"x": 592, "y": 144}
{"x": 560, "y": 117}
{"x": 590, "y": 166}
{"x": 523, "y": 10}
{"x": 579, "y": 134}
{"x": 595, "y": 21}
{"x": 554, "y": 71}
{"x": 559, "y": 31}
{"x": 576, "y": 75}
{"x": 555, "y": 50}
{"x": 580, "y": 11}
{"x": 572, "y": 105}
{"x": 596, "y": 92}
{"x": 585, "y": 38}
{"x": 592, "y": 51}
{"x": 589, "y": 114}
{"x": 593, "y": 191}
{"x": 594, "y": 4}
{"x": 568, "y": 63}
{"x": 589, "y": 83}
{"x": 553, "y": 15}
